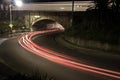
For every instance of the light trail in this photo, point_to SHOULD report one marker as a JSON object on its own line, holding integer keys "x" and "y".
{"x": 26, "y": 42}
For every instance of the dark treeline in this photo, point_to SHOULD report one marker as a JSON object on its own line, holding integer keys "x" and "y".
{"x": 100, "y": 23}
{"x": 107, "y": 4}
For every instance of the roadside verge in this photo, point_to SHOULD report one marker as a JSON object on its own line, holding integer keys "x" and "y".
{"x": 88, "y": 51}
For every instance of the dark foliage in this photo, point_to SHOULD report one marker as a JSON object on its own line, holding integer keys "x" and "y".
{"x": 98, "y": 26}
{"x": 27, "y": 77}
{"x": 101, "y": 4}
{"x": 116, "y": 5}
{"x": 107, "y": 4}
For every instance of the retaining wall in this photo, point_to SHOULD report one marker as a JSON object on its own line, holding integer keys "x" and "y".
{"x": 93, "y": 44}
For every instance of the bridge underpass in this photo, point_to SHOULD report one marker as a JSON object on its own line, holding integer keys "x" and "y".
{"x": 61, "y": 12}
{"x": 60, "y": 17}
{"x": 29, "y": 18}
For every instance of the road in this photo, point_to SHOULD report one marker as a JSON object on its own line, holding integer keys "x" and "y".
{"x": 22, "y": 60}
{"x": 2, "y": 40}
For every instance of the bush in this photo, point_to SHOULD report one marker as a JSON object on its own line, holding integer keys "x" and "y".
{"x": 27, "y": 77}
{"x": 98, "y": 26}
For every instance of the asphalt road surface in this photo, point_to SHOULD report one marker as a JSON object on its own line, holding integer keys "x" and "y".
{"x": 24, "y": 61}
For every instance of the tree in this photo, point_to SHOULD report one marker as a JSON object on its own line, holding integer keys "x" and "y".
{"x": 4, "y": 8}
{"x": 116, "y": 5}
{"x": 4, "y": 14}
{"x": 101, "y": 4}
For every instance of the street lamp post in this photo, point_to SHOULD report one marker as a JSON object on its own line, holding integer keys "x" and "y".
{"x": 72, "y": 19}
{"x": 11, "y": 25}
{"x": 17, "y": 3}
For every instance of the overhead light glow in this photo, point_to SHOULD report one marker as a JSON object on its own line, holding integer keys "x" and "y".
{"x": 62, "y": 8}
{"x": 37, "y": 16}
{"x": 79, "y": 6}
{"x": 18, "y": 3}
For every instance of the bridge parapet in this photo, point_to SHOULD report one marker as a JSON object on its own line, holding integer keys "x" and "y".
{"x": 29, "y": 18}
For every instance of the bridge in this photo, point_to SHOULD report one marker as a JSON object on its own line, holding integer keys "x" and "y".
{"x": 61, "y": 12}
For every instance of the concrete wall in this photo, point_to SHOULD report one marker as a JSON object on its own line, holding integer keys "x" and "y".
{"x": 60, "y": 17}
{"x": 28, "y": 18}
{"x": 93, "y": 44}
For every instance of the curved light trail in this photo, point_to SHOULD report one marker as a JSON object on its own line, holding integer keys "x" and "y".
{"x": 26, "y": 42}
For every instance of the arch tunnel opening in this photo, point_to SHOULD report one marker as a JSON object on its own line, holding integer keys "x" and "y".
{"x": 46, "y": 24}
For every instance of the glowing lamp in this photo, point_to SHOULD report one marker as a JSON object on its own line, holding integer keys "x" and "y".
{"x": 18, "y": 3}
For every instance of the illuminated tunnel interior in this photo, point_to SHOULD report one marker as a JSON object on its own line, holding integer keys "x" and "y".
{"x": 46, "y": 24}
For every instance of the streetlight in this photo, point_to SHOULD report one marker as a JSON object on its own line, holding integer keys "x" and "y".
{"x": 10, "y": 25}
{"x": 17, "y": 3}
{"x": 72, "y": 19}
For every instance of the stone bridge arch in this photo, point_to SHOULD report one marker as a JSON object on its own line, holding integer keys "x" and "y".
{"x": 61, "y": 17}
{"x": 44, "y": 24}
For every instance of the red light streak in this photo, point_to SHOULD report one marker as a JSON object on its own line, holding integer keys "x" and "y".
{"x": 26, "y": 42}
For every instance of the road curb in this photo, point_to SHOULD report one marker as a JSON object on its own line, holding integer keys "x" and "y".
{"x": 93, "y": 52}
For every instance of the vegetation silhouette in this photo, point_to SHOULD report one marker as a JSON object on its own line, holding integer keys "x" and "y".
{"x": 100, "y": 23}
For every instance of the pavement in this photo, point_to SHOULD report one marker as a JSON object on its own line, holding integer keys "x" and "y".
{"x": 96, "y": 52}
{"x": 20, "y": 60}
{"x": 2, "y": 40}
{"x": 96, "y": 57}
{"x": 5, "y": 70}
